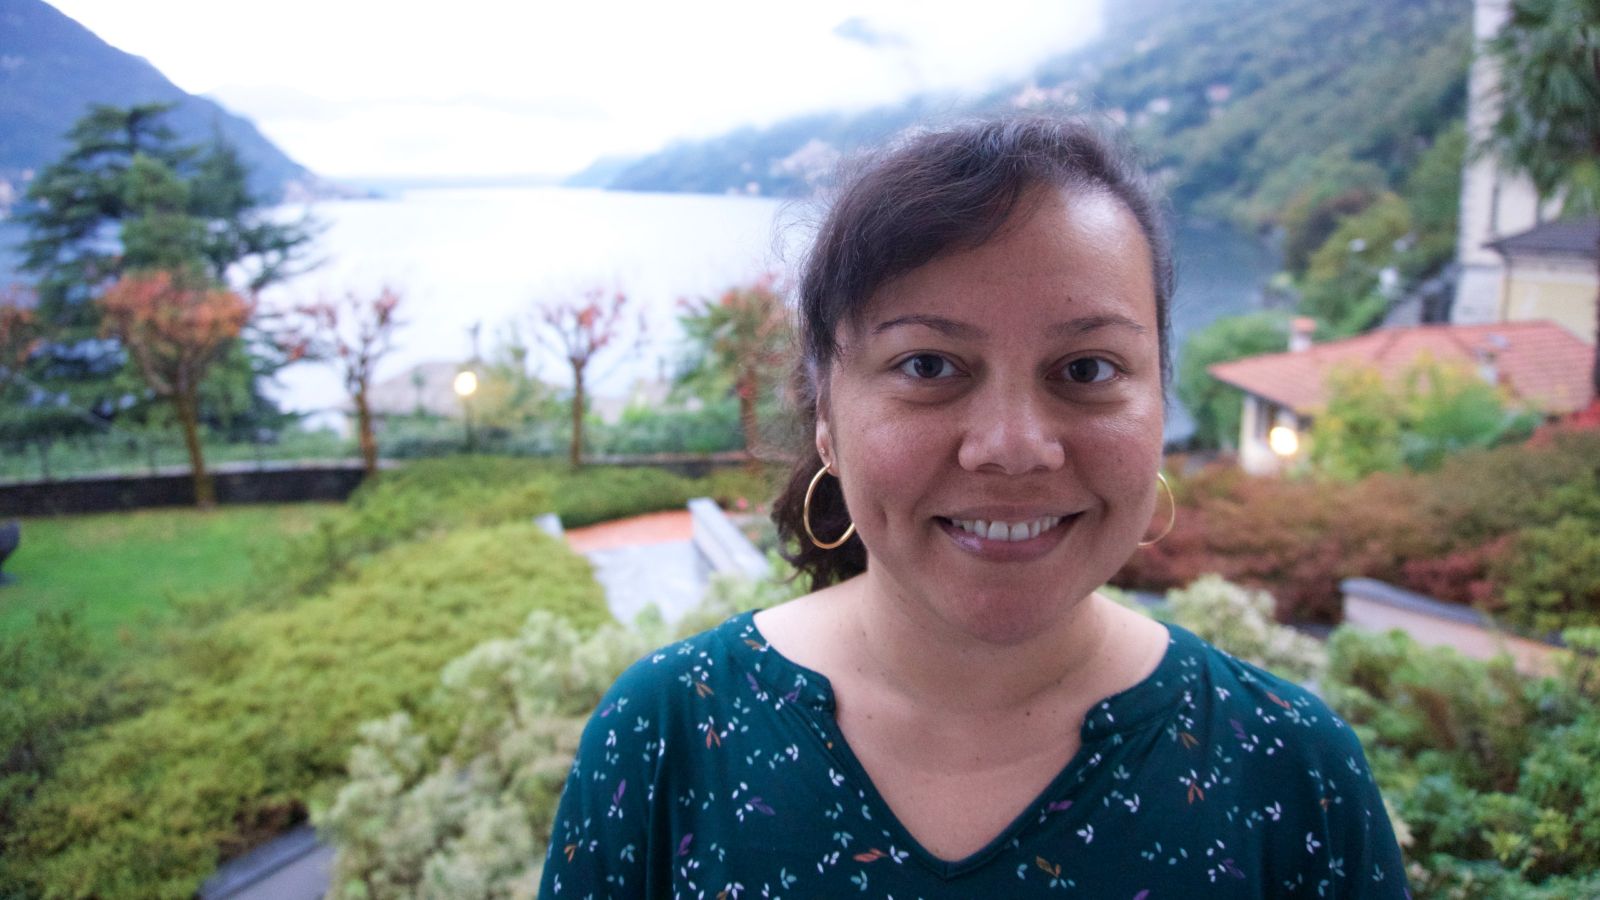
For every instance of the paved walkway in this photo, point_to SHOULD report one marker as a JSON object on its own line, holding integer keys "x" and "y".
{"x": 644, "y": 560}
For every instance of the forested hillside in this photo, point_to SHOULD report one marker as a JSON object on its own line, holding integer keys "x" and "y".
{"x": 52, "y": 69}
{"x": 1240, "y": 104}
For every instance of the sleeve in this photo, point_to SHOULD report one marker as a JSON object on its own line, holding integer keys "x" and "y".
{"x": 1364, "y": 857}
{"x": 600, "y": 839}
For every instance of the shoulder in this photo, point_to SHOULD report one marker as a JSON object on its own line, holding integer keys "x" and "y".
{"x": 1254, "y": 697}
{"x": 674, "y": 673}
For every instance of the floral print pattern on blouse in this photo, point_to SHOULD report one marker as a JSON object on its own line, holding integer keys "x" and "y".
{"x": 714, "y": 768}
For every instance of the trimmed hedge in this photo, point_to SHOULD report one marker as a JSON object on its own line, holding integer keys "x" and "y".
{"x": 1510, "y": 530}
{"x": 266, "y": 706}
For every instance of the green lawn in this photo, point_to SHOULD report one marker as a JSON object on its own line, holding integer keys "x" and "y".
{"x": 123, "y": 570}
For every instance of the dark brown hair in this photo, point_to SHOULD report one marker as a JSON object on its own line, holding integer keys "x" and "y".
{"x": 935, "y": 193}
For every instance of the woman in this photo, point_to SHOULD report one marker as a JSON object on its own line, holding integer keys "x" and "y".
{"x": 956, "y": 712}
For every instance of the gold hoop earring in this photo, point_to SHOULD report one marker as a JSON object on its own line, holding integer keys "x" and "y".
{"x": 1172, "y": 515}
{"x": 805, "y": 515}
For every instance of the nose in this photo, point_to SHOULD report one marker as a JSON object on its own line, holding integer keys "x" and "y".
{"x": 1010, "y": 432}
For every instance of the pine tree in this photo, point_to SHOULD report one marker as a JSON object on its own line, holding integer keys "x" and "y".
{"x": 127, "y": 197}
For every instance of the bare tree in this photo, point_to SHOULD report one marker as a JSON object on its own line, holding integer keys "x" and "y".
{"x": 354, "y": 332}
{"x": 578, "y": 330}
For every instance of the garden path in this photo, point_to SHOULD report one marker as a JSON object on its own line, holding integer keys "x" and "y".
{"x": 643, "y": 560}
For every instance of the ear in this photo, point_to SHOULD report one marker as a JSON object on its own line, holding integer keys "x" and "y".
{"x": 825, "y": 443}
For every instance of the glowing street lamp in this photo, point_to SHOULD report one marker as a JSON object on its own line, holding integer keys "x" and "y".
{"x": 1284, "y": 441}
{"x": 466, "y": 384}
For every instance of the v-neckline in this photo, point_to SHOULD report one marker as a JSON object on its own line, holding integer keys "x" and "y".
{"x": 1124, "y": 711}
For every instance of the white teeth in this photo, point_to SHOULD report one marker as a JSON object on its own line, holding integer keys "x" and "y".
{"x": 1003, "y": 531}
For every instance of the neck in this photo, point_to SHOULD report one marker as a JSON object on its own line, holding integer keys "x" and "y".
{"x": 931, "y": 662}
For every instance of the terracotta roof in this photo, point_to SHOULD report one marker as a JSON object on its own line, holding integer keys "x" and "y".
{"x": 1576, "y": 237}
{"x": 1542, "y": 364}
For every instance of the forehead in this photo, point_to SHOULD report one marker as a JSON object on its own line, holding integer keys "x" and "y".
{"x": 1063, "y": 254}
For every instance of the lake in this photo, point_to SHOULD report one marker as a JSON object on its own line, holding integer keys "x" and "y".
{"x": 489, "y": 256}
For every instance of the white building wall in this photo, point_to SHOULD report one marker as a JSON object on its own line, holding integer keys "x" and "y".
{"x": 1494, "y": 203}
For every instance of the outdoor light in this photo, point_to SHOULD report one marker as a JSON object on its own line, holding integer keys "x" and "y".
{"x": 466, "y": 384}
{"x": 1283, "y": 440}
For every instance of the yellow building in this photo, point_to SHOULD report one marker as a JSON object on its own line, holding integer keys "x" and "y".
{"x": 1550, "y": 272}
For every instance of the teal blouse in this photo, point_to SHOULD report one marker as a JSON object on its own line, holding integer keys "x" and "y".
{"x": 714, "y": 769}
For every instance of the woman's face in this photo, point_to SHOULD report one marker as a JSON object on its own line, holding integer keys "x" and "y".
{"x": 996, "y": 419}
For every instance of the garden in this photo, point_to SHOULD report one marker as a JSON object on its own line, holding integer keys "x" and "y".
{"x": 409, "y": 671}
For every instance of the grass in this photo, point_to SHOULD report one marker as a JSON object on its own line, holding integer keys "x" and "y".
{"x": 122, "y": 572}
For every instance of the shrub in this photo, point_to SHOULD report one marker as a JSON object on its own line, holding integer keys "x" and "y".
{"x": 265, "y": 706}
{"x": 432, "y": 496}
{"x": 1239, "y": 621}
{"x": 1552, "y": 576}
{"x": 1295, "y": 539}
{"x": 1495, "y": 777}
{"x": 1482, "y": 495}
{"x": 458, "y": 800}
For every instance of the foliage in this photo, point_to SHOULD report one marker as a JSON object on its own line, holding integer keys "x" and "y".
{"x": 1239, "y": 104}
{"x": 131, "y": 448}
{"x": 1320, "y": 191}
{"x": 1214, "y": 405}
{"x": 355, "y": 333}
{"x": 1549, "y": 121}
{"x": 510, "y": 401}
{"x": 175, "y": 329}
{"x": 430, "y": 497}
{"x": 740, "y": 342}
{"x": 457, "y": 799}
{"x": 1432, "y": 194}
{"x": 712, "y": 428}
{"x": 1372, "y": 424}
{"x": 578, "y": 330}
{"x": 1239, "y": 620}
{"x": 19, "y": 334}
{"x": 1294, "y": 538}
{"x": 236, "y": 751}
{"x": 1552, "y": 576}
{"x": 53, "y": 685}
{"x": 126, "y": 197}
{"x": 1344, "y": 285}
{"x": 1492, "y": 775}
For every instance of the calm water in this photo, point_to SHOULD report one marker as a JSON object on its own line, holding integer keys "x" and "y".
{"x": 491, "y": 255}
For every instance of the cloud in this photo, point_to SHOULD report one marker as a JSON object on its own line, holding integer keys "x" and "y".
{"x": 861, "y": 31}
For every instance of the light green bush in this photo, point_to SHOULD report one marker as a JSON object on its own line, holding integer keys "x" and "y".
{"x": 1494, "y": 777}
{"x": 265, "y": 707}
{"x": 468, "y": 812}
{"x": 1239, "y": 621}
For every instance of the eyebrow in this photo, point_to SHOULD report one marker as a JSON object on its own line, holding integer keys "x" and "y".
{"x": 955, "y": 329}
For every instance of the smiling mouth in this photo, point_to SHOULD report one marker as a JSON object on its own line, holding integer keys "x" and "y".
{"x": 1025, "y": 530}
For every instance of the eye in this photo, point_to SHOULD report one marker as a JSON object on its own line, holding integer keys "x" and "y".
{"x": 1090, "y": 370}
{"x": 928, "y": 366}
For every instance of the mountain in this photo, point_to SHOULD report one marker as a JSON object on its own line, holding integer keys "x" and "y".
{"x": 1236, "y": 103}
{"x": 52, "y": 68}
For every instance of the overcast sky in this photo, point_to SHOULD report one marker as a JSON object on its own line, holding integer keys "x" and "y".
{"x": 490, "y": 87}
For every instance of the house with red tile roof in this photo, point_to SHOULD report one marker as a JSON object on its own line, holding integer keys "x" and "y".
{"x": 1541, "y": 366}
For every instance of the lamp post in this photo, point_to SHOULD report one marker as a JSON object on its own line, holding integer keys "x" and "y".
{"x": 466, "y": 384}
